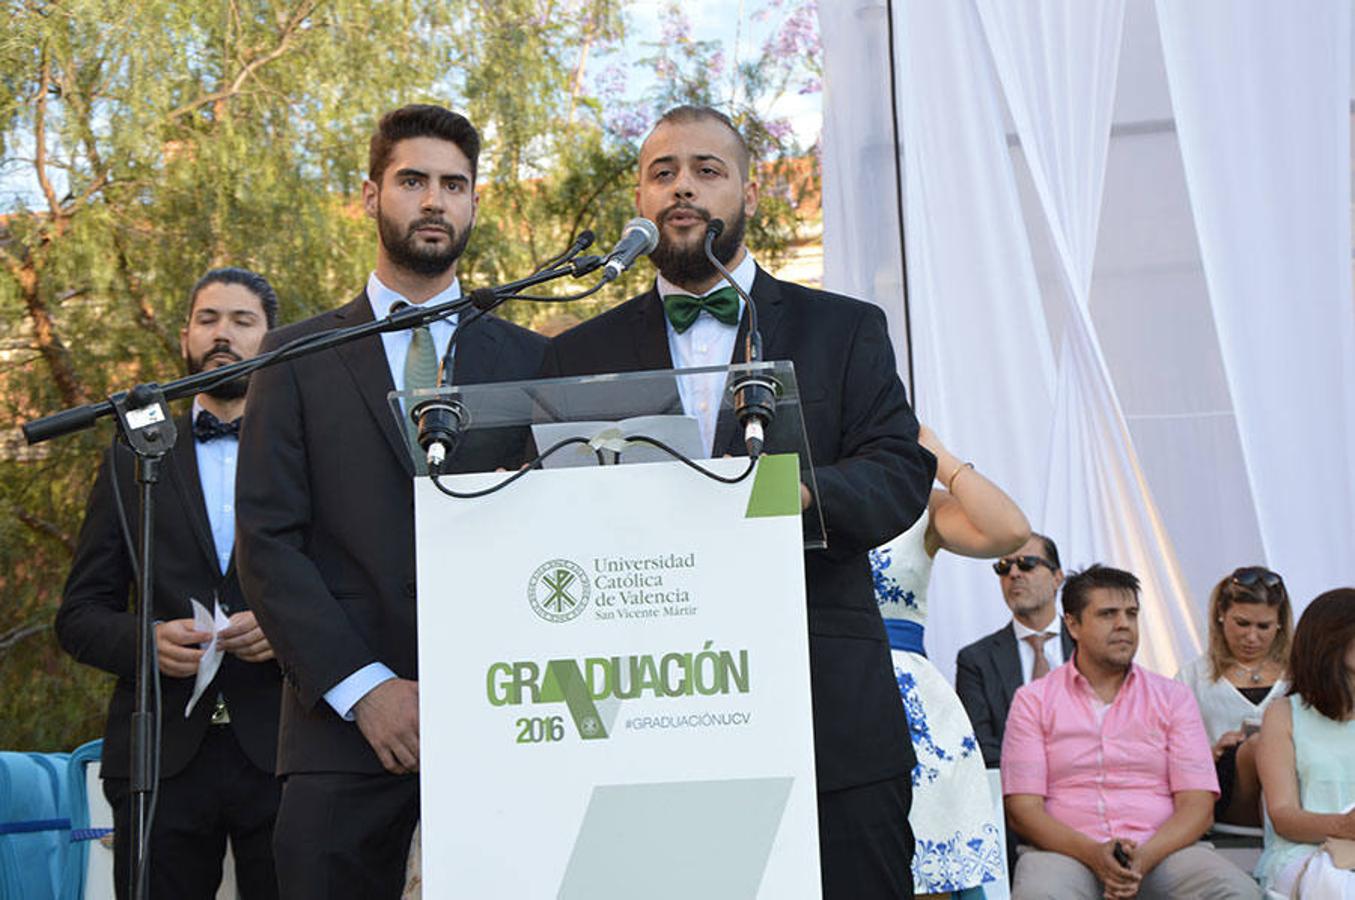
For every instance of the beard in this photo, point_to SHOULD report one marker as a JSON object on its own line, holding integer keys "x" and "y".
{"x": 405, "y": 250}
{"x": 231, "y": 390}
{"x": 688, "y": 264}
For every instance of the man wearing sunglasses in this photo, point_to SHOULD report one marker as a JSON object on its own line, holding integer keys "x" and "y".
{"x": 989, "y": 671}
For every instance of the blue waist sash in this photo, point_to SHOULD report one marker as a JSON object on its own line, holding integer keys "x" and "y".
{"x": 905, "y": 635}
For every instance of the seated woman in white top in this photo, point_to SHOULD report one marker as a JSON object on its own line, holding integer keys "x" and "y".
{"x": 1250, "y": 623}
{"x": 1307, "y": 759}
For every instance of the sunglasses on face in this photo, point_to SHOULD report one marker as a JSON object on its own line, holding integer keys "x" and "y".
{"x": 1024, "y": 563}
{"x": 1250, "y": 576}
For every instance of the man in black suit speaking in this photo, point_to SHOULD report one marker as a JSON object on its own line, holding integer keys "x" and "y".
{"x": 216, "y": 764}
{"x": 873, "y": 478}
{"x": 327, "y": 527}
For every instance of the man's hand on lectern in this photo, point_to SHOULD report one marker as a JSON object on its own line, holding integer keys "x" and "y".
{"x": 388, "y": 717}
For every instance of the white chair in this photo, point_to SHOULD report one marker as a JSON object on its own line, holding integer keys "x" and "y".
{"x": 998, "y": 890}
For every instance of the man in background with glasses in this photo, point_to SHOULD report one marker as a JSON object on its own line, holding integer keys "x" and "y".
{"x": 989, "y": 671}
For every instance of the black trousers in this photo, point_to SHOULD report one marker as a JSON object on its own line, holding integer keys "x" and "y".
{"x": 345, "y": 835}
{"x": 219, "y": 795}
{"x": 865, "y": 841}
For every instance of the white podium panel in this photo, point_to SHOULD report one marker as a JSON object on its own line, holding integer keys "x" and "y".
{"x": 614, "y": 688}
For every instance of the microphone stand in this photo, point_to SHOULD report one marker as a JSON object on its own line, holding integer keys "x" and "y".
{"x": 754, "y": 395}
{"x": 146, "y": 426}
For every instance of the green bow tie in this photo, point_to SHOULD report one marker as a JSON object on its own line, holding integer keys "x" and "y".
{"x": 683, "y": 309}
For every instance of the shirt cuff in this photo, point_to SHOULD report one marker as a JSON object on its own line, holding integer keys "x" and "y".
{"x": 346, "y": 694}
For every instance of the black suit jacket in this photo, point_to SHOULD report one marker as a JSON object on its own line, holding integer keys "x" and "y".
{"x": 326, "y": 523}
{"x": 873, "y": 481}
{"x": 97, "y": 627}
{"x": 987, "y": 674}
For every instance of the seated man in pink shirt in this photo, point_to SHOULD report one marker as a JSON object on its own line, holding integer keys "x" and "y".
{"x": 1106, "y": 769}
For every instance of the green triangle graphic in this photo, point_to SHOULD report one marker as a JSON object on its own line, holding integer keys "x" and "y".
{"x": 776, "y": 487}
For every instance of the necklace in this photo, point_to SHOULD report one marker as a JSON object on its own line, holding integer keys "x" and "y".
{"x": 1254, "y": 675}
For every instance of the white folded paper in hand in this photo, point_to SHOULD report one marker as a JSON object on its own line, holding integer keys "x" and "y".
{"x": 211, "y": 622}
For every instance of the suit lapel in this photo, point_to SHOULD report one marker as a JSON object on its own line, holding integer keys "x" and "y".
{"x": 184, "y": 471}
{"x": 651, "y": 329}
{"x": 476, "y": 353}
{"x": 366, "y": 362}
{"x": 766, "y": 294}
{"x": 1008, "y": 661}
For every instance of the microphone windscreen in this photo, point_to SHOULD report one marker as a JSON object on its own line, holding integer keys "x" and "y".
{"x": 483, "y": 298}
{"x": 715, "y": 227}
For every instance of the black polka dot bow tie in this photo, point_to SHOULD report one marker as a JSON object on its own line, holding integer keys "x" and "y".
{"x": 207, "y": 427}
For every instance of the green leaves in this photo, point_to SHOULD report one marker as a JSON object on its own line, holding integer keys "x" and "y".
{"x": 144, "y": 142}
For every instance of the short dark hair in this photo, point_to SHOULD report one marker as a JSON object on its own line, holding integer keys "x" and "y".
{"x": 1079, "y": 585}
{"x": 691, "y": 113}
{"x": 1317, "y": 656}
{"x": 421, "y": 120}
{"x": 1051, "y": 553}
{"x": 253, "y": 282}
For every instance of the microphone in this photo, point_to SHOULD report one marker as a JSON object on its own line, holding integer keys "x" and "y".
{"x": 441, "y": 421}
{"x": 640, "y": 236}
{"x": 581, "y": 243}
{"x": 754, "y": 395}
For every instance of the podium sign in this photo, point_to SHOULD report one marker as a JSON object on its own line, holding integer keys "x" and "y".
{"x": 614, "y": 685}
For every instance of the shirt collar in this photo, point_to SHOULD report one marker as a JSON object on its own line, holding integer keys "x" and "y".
{"x": 383, "y": 298}
{"x": 1022, "y": 632}
{"x": 1081, "y": 680}
{"x": 743, "y": 273}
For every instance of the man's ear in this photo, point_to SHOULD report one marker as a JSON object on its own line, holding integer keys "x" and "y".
{"x": 1072, "y": 625}
{"x": 750, "y": 198}
{"x": 183, "y": 343}
{"x": 371, "y": 197}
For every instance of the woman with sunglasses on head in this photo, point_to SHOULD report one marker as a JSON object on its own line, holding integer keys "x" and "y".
{"x": 1241, "y": 673}
{"x": 954, "y": 827}
{"x": 1306, "y": 758}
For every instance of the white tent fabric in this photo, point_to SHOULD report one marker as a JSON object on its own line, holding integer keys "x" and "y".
{"x": 1275, "y": 237}
{"x": 1004, "y": 264}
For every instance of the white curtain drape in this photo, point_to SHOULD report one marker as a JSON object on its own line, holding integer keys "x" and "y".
{"x": 1056, "y": 63}
{"x": 967, "y": 243}
{"x": 1024, "y": 350}
{"x": 1262, "y": 110}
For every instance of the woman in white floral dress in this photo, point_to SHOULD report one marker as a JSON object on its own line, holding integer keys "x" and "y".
{"x": 957, "y": 841}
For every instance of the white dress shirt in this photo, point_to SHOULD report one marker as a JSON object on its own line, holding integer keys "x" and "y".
{"x": 1053, "y": 647}
{"x": 708, "y": 342}
{"x": 216, "y": 474}
{"x": 1222, "y": 706}
{"x": 345, "y": 695}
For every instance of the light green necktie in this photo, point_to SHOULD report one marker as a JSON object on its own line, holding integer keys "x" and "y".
{"x": 421, "y": 367}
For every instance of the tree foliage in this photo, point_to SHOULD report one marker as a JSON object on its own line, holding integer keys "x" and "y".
{"x": 143, "y": 143}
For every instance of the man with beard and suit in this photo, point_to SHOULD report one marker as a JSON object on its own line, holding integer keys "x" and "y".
{"x": 216, "y": 763}
{"x": 872, "y": 476}
{"x": 327, "y": 529}
{"x": 989, "y": 671}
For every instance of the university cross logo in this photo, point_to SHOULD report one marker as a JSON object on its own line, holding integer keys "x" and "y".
{"x": 558, "y": 590}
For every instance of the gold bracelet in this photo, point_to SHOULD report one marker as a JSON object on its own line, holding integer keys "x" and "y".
{"x": 950, "y": 484}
